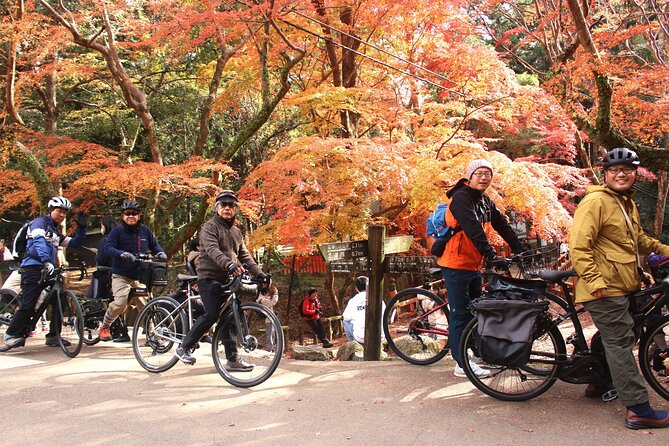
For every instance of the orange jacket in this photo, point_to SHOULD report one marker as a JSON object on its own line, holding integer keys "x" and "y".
{"x": 477, "y": 215}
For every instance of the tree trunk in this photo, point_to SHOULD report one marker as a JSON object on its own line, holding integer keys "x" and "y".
{"x": 51, "y": 111}
{"x": 12, "y": 48}
{"x": 205, "y": 115}
{"x": 661, "y": 204}
{"x": 349, "y": 119}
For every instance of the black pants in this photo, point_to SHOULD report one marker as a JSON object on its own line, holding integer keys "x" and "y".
{"x": 22, "y": 322}
{"x": 318, "y": 328}
{"x": 211, "y": 293}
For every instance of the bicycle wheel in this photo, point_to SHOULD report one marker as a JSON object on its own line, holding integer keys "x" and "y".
{"x": 71, "y": 333}
{"x": 518, "y": 383}
{"x": 260, "y": 344}
{"x": 94, "y": 313}
{"x": 9, "y": 304}
{"x": 654, "y": 354}
{"x": 157, "y": 332}
{"x": 415, "y": 324}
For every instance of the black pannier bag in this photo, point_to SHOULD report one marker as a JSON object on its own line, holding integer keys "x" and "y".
{"x": 101, "y": 284}
{"x": 506, "y": 318}
{"x": 153, "y": 274}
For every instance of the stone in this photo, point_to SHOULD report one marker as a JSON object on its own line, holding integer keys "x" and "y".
{"x": 312, "y": 353}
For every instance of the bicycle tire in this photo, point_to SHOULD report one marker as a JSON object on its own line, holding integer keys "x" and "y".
{"x": 157, "y": 333}
{"x": 9, "y": 303}
{"x": 519, "y": 383}
{"x": 408, "y": 322}
{"x": 261, "y": 350}
{"x": 655, "y": 367}
{"x": 72, "y": 324}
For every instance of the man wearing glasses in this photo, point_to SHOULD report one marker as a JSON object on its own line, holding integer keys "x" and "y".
{"x": 605, "y": 242}
{"x": 472, "y": 211}
{"x": 222, "y": 254}
{"x": 124, "y": 243}
{"x": 43, "y": 239}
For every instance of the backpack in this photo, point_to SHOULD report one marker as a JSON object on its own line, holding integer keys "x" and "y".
{"x": 300, "y": 308}
{"x": 437, "y": 228}
{"x": 20, "y": 244}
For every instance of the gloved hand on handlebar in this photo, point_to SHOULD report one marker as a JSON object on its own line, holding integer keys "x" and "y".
{"x": 80, "y": 220}
{"x": 48, "y": 269}
{"x": 264, "y": 279}
{"x": 235, "y": 269}
{"x": 161, "y": 257}
{"x": 496, "y": 263}
{"x": 128, "y": 257}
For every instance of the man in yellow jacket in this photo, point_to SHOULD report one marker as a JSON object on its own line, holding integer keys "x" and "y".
{"x": 604, "y": 248}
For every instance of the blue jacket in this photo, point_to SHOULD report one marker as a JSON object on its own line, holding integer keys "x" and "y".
{"x": 102, "y": 258}
{"x": 137, "y": 240}
{"x": 44, "y": 237}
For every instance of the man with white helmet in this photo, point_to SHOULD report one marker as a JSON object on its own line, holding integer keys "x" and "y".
{"x": 43, "y": 239}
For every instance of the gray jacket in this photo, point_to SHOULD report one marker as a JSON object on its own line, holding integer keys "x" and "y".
{"x": 221, "y": 245}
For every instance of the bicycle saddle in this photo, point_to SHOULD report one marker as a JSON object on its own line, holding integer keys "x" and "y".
{"x": 553, "y": 276}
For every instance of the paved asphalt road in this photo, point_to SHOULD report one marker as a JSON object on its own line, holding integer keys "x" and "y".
{"x": 103, "y": 397}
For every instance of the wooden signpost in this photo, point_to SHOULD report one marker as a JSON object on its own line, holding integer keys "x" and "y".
{"x": 369, "y": 257}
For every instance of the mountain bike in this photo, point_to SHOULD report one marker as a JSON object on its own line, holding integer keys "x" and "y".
{"x": 549, "y": 359}
{"x": 65, "y": 309}
{"x": 164, "y": 322}
{"x": 95, "y": 308}
{"x": 415, "y": 322}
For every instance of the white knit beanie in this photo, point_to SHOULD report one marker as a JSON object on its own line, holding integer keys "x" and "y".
{"x": 477, "y": 164}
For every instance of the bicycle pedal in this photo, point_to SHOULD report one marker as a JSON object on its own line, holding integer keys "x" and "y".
{"x": 609, "y": 396}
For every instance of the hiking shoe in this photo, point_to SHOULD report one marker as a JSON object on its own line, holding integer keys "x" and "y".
{"x": 478, "y": 371}
{"x": 327, "y": 343}
{"x": 239, "y": 365}
{"x": 52, "y": 341}
{"x": 123, "y": 338}
{"x": 105, "y": 335}
{"x": 634, "y": 421}
{"x": 185, "y": 356}
{"x": 12, "y": 342}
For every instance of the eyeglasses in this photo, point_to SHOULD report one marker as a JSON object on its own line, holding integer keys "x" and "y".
{"x": 130, "y": 214}
{"x": 483, "y": 174}
{"x": 227, "y": 205}
{"x": 616, "y": 170}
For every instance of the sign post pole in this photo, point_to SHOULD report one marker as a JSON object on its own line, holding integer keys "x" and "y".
{"x": 376, "y": 239}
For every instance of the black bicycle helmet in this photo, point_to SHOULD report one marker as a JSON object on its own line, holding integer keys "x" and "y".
{"x": 620, "y": 155}
{"x": 227, "y": 196}
{"x": 130, "y": 205}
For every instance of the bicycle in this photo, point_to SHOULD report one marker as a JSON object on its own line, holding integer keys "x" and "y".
{"x": 94, "y": 309}
{"x": 164, "y": 322}
{"x": 549, "y": 359}
{"x": 415, "y": 322}
{"x": 65, "y": 309}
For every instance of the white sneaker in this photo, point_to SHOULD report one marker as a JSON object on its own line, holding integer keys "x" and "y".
{"x": 478, "y": 371}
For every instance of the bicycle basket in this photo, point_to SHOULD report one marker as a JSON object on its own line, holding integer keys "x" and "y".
{"x": 153, "y": 274}
{"x": 506, "y": 330}
{"x": 535, "y": 260}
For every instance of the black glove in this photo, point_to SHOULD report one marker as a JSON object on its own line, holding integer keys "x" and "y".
{"x": 128, "y": 257}
{"x": 80, "y": 220}
{"x": 235, "y": 269}
{"x": 497, "y": 263}
{"x": 161, "y": 257}
{"x": 264, "y": 279}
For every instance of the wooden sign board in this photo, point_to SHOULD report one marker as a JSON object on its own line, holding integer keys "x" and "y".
{"x": 394, "y": 245}
{"x": 343, "y": 250}
{"x": 358, "y": 265}
{"x": 410, "y": 264}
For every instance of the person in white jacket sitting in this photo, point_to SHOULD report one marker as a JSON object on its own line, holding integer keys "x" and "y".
{"x": 354, "y": 314}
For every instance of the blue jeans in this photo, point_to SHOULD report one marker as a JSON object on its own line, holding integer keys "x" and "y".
{"x": 462, "y": 287}
{"x": 348, "y": 330}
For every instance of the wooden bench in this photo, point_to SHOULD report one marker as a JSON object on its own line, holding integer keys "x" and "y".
{"x": 334, "y": 327}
